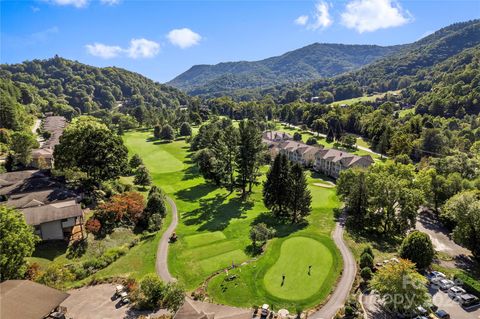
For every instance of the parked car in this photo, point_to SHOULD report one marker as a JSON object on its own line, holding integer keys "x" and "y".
{"x": 445, "y": 284}
{"x": 468, "y": 300}
{"x": 421, "y": 311}
{"x": 456, "y": 291}
{"x": 435, "y": 276}
{"x": 442, "y": 314}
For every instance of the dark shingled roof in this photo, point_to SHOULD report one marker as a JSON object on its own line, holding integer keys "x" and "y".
{"x": 24, "y": 299}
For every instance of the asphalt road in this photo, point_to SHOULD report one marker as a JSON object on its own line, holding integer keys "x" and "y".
{"x": 162, "y": 250}
{"x": 340, "y": 295}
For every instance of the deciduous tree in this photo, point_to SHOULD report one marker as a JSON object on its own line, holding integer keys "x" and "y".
{"x": 18, "y": 242}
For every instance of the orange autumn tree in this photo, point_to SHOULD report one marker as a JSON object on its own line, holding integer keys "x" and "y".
{"x": 122, "y": 209}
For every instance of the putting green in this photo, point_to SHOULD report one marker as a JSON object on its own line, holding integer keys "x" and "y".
{"x": 296, "y": 255}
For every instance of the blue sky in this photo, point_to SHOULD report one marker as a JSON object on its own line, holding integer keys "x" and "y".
{"x": 161, "y": 39}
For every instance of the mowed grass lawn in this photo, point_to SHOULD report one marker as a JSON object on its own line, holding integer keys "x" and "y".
{"x": 213, "y": 233}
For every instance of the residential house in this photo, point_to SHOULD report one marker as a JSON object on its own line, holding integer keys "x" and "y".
{"x": 327, "y": 161}
{"x": 331, "y": 161}
{"x": 25, "y": 299}
{"x": 46, "y": 204}
{"x": 298, "y": 152}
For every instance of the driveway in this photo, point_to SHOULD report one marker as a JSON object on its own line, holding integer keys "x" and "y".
{"x": 439, "y": 236}
{"x": 95, "y": 302}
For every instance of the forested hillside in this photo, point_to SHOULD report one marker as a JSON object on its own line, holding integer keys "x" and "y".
{"x": 307, "y": 63}
{"x": 75, "y": 87}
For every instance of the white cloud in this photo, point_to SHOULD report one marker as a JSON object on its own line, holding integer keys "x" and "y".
{"x": 104, "y": 51}
{"x": 183, "y": 38}
{"x": 321, "y": 17}
{"x": 371, "y": 15}
{"x": 139, "y": 48}
{"x": 75, "y": 3}
{"x": 110, "y": 2}
{"x": 301, "y": 20}
{"x": 143, "y": 48}
{"x": 35, "y": 9}
{"x": 81, "y": 3}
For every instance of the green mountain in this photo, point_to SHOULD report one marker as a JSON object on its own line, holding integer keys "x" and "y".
{"x": 398, "y": 70}
{"x": 75, "y": 87}
{"x": 308, "y": 63}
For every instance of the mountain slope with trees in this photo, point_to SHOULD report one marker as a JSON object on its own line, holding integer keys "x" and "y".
{"x": 311, "y": 62}
{"x": 68, "y": 86}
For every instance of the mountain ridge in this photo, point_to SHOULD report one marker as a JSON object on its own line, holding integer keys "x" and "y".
{"x": 307, "y": 63}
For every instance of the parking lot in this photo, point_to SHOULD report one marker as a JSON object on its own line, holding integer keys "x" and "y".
{"x": 443, "y": 301}
{"x": 92, "y": 302}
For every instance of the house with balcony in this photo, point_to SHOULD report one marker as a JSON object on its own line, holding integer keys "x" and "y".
{"x": 331, "y": 161}
{"x": 53, "y": 210}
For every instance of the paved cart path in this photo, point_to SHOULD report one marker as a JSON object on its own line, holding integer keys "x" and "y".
{"x": 162, "y": 250}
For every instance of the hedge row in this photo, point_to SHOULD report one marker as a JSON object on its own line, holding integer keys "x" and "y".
{"x": 470, "y": 284}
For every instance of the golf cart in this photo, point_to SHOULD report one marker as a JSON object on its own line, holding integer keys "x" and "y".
{"x": 173, "y": 237}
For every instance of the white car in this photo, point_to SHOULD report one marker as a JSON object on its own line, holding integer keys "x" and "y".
{"x": 445, "y": 284}
{"x": 436, "y": 276}
{"x": 456, "y": 291}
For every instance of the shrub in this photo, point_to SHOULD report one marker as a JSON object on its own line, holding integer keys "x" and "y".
{"x": 152, "y": 291}
{"x": 297, "y": 137}
{"x": 135, "y": 161}
{"x": 55, "y": 276}
{"x": 470, "y": 284}
{"x": 366, "y": 260}
{"x": 366, "y": 274}
{"x": 33, "y": 270}
{"x": 368, "y": 250}
{"x": 312, "y": 141}
{"x": 93, "y": 226}
{"x": 418, "y": 248}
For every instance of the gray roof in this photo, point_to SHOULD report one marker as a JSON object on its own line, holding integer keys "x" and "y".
{"x": 23, "y": 181}
{"x": 24, "y": 299}
{"x": 275, "y": 135}
{"x": 345, "y": 158}
{"x": 24, "y": 200}
{"x": 204, "y": 310}
{"x": 37, "y": 215}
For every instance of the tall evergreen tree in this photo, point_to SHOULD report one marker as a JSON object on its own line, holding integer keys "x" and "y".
{"x": 300, "y": 198}
{"x": 248, "y": 158}
{"x": 276, "y": 188}
{"x": 230, "y": 140}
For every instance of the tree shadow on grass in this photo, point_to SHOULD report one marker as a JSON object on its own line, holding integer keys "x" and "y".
{"x": 378, "y": 241}
{"x": 215, "y": 214}
{"x": 195, "y": 193}
{"x": 190, "y": 173}
{"x": 282, "y": 228}
{"x": 50, "y": 249}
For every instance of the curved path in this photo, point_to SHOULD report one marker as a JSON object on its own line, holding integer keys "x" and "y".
{"x": 162, "y": 250}
{"x": 340, "y": 295}
{"x": 337, "y": 298}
